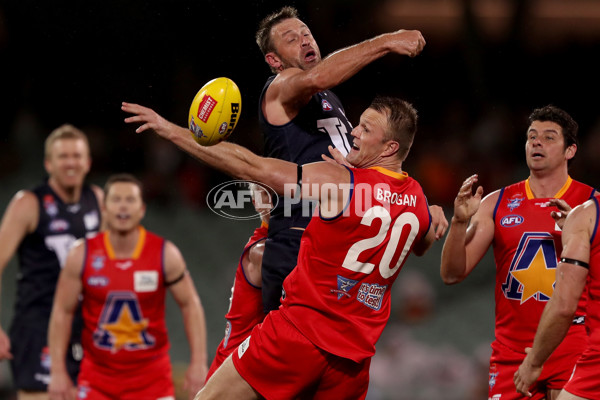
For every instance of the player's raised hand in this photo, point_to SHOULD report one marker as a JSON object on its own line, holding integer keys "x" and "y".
{"x": 148, "y": 118}
{"x": 406, "y": 42}
{"x": 563, "y": 210}
{"x": 338, "y": 157}
{"x": 466, "y": 203}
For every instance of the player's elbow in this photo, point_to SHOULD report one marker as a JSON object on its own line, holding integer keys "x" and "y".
{"x": 450, "y": 278}
{"x": 317, "y": 81}
{"x": 565, "y": 309}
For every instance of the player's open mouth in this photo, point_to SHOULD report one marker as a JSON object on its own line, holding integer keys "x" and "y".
{"x": 537, "y": 155}
{"x": 355, "y": 147}
{"x": 310, "y": 56}
{"x": 122, "y": 216}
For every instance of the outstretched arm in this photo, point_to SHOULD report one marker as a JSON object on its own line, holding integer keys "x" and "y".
{"x": 570, "y": 282}
{"x": 471, "y": 232}
{"x": 237, "y": 161}
{"x": 293, "y": 87}
{"x": 229, "y": 158}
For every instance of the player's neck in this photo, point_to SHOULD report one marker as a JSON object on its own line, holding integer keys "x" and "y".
{"x": 388, "y": 163}
{"x": 547, "y": 185}
{"x": 68, "y": 195}
{"x": 124, "y": 243}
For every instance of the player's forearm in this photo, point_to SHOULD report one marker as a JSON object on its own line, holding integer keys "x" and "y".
{"x": 237, "y": 161}
{"x": 453, "y": 266}
{"x": 553, "y": 327}
{"x": 195, "y": 329}
{"x": 345, "y": 63}
{"x": 59, "y": 331}
{"x": 229, "y": 158}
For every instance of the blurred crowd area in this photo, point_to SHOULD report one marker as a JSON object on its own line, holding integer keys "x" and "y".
{"x": 487, "y": 64}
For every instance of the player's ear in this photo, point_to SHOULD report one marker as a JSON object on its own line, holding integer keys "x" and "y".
{"x": 570, "y": 151}
{"x": 47, "y": 165}
{"x": 391, "y": 148}
{"x": 274, "y": 61}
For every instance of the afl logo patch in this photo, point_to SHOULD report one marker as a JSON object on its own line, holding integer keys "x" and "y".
{"x": 511, "y": 220}
{"x": 58, "y": 225}
{"x": 99, "y": 281}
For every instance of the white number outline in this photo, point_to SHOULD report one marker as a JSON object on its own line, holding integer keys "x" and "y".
{"x": 407, "y": 218}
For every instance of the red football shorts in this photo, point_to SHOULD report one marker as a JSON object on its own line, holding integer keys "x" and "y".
{"x": 555, "y": 374}
{"x": 280, "y": 363}
{"x": 584, "y": 382}
{"x": 150, "y": 381}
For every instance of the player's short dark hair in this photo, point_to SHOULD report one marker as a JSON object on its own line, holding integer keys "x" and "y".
{"x": 402, "y": 121}
{"x": 263, "y": 34}
{"x": 561, "y": 118}
{"x": 123, "y": 177}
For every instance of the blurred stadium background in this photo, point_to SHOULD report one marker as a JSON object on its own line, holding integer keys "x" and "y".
{"x": 486, "y": 65}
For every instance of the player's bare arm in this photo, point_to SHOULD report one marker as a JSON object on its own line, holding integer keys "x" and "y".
{"x": 293, "y": 87}
{"x": 21, "y": 217}
{"x": 252, "y": 264}
{"x": 66, "y": 297}
{"x": 570, "y": 282}
{"x": 229, "y": 158}
{"x": 186, "y": 297}
{"x": 471, "y": 232}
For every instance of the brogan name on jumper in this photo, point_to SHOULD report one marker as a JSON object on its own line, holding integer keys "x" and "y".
{"x": 400, "y": 199}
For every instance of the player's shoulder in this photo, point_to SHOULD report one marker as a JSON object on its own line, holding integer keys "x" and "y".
{"x": 25, "y": 200}
{"x": 98, "y": 192}
{"x": 492, "y": 198}
{"x": 587, "y": 209}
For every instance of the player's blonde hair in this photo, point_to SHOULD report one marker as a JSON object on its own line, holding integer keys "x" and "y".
{"x": 65, "y": 131}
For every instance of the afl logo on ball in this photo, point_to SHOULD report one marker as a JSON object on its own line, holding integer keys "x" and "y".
{"x": 223, "y": 128}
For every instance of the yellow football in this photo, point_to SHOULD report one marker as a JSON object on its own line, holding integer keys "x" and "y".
{"x": 215, "y": 111}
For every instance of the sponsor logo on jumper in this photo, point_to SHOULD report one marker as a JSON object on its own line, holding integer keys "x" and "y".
{"x": 343, "y": 286}
{"x": 124, "y": 264}
{"x": 74, "y": 208}
{"x": 145, "y": 281}
{"x": 243, "y": 347}
{"x": 371, "y": 295}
